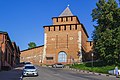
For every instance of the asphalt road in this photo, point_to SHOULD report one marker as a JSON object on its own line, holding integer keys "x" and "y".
{"x": 46, "y": 73}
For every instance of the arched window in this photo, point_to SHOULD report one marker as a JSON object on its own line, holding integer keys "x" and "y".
{"x": 62, "y": 57}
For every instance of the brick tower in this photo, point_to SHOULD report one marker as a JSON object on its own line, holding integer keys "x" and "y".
{"x": 66, "y": 40}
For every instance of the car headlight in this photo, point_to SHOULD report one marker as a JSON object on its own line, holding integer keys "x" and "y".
{"x": 36, "y": 71}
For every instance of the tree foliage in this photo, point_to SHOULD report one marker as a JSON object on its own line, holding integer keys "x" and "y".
{"x": 106, "y": 35}
{"x": 31, "y": 45}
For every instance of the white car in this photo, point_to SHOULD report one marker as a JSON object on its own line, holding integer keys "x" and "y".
{"x": 29, "y": 70}
{"x": 58, "y": 65}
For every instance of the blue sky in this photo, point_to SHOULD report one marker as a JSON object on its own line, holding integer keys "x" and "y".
{"x": 24, "y": 19}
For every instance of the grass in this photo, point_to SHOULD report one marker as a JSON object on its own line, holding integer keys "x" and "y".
{"x": 98, "y": 69}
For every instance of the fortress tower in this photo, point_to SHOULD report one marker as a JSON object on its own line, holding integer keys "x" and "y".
{"x": 66, "y": 40}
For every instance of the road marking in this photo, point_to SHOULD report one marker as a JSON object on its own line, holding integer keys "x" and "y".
{"x": 21, "y": 78}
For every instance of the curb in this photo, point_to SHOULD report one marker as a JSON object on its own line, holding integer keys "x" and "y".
{"x": 78, "y": 70}
{"x": 21, "y": 78}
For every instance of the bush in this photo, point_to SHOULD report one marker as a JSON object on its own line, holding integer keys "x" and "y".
{"x": 98, "y": 67}
{"x": 95, "y": 64}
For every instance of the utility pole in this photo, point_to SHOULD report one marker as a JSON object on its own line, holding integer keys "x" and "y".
{"x": 92, "y": 59}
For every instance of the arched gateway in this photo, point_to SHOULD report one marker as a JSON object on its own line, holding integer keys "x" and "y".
{"x": 62, "y": 57}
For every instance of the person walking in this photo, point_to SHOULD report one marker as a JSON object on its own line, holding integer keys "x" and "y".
{"x": 116, "y": 71}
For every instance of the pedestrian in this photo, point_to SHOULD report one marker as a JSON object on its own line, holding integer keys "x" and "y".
{"x": 116, "y": 71}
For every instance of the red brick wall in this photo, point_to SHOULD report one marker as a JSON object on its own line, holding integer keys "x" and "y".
{"x": 62, "y": 41}
{"x": 7, "y": 49}
{"x": 67, "y": 35}
{"x": 63, "y": 36}
{"x": 2, "y": 41}
{"x": 65, "y": 20}
{"x": 32, "y": 55}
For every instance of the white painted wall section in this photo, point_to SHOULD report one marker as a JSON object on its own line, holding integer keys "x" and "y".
{"x": 45, "y": 46}
{"x": 80, "y": 45}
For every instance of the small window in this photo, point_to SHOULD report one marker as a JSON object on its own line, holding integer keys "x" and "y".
{"x": 48, "y": 28}
{"x": 75, "y": 27}
{"x": 65, "y": 27}
{"x": 54, "y": 28}
{"x": 59, "y": 28}
{"x": 56, "y": 19}
{"x": 61, "y": 19}
{"x": 49, "y": 58}
{"x": 71, "y": 18}
{"x": 66, "y": 19}
{"x": 70, "y": 27}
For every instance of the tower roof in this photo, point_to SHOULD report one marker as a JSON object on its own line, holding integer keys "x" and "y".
{"x": 66, "y": 12}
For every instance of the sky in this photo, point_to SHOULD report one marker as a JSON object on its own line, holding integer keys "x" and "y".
{"x": 24, "y": 19}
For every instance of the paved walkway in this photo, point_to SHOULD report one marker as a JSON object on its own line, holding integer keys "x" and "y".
{"x": 13, "y": 74}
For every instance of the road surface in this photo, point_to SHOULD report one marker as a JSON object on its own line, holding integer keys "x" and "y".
{"x": 46, "y": 73}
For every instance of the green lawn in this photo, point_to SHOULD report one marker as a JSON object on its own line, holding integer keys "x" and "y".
{"x": 100, "y": 69}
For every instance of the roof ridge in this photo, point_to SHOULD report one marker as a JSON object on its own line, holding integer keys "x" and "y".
{"x": 66, "y": 12}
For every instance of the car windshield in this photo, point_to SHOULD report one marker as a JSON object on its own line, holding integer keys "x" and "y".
{"x": 59, "y": 64}
{"x": 29, "y": 67}
{"x": 27, "y": 63}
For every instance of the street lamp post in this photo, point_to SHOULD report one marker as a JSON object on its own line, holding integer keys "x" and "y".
{"x": 92, "y": 58}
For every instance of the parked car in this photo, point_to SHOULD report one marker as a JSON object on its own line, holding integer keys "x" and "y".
{"x": 24, "y": 63}
{"x": 27, "y": 62}
{"x": 58, "y": 65}
{"x": 30, "y": 70}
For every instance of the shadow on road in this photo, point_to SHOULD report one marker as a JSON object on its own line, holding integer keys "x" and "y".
{"x": 13, "y": 74}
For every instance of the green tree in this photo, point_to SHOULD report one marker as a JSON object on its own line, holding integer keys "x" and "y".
{"x": 106, "y": 35}
{"x": 31, "y": 45}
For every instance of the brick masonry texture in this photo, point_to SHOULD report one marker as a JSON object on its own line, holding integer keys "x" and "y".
{"x": 66, "y": 35}
{"x": 33, "y": 55}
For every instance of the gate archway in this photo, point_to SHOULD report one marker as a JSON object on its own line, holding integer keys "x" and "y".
{"x": 62, "y": 57}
